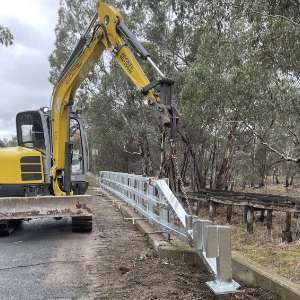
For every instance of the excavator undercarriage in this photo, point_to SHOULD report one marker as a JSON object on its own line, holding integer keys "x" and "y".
{"x": 14, "y": 210}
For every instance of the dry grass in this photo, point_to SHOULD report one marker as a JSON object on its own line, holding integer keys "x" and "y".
{"x": 274, "y": 189}
{"x": 265, "y": 249}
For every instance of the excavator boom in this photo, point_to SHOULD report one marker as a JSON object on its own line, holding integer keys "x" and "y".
{"x": 107, "y": 31}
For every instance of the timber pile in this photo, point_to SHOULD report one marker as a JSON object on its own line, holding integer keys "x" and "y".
{"x": 266, "y": 204}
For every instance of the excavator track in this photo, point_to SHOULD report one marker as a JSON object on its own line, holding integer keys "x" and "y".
{"x": 82, "y": 224}
{"x": 9, "y": 226}
{"x": 4, "y": 228}
{"x": 15, "y": 210}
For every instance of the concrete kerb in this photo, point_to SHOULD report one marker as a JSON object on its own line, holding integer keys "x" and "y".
{"x": 252, "y": 273}
{"x": 243, "y": 269}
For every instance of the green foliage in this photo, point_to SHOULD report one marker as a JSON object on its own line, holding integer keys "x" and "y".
{"x": 11, "y": 142}
{"x": 6, "y": 38}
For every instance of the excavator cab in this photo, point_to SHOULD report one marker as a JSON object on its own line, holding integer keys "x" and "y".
{"x": 33, "y": 132}
{"x": 26, "y": 175}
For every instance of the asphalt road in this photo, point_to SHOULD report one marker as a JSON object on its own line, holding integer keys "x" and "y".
{"x": 44, "y": 260}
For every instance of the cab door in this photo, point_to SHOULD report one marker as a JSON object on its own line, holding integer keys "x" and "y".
{"x": 79, "y": 155}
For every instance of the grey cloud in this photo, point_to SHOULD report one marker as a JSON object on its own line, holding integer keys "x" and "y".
{"x": 7, "y": 127}
{"x": 24, "y": 68}
{"x": 16, "y": 98}
{"x": 28, "y": 35}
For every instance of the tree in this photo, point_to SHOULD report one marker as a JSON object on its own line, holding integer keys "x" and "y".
{"x": 236, "y": 66}
{"x": 9, "y": 142}
{"x": 6, "y": 38}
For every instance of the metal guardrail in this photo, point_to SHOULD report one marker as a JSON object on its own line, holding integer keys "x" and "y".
{"x": 153, "y": 199}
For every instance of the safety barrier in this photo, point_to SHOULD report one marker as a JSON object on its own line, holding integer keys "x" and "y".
{"x": 153, "y": 199}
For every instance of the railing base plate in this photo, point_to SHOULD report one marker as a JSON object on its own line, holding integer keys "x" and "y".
{"x": 222, "y": 288}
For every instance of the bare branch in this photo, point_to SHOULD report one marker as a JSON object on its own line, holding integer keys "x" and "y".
{"x": 297, "y": 139}
{"x": 132, "y": 153}
{"x": 282, "y": 155}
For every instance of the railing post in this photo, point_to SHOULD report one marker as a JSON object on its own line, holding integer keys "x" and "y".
{"x": 199, "y": 234}
{"x": 212, "y": 245}
{"x": 150, "y": 201}
{"x": 189, "y": 222}
{"x": 224, "y": 269}
{"x": 163, "y": 216}
{"x": 223, "y": 284}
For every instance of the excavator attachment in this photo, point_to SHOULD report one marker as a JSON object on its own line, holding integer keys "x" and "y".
{"x": 13, "y": 210}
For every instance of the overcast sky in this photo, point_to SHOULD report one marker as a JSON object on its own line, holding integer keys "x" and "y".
{"x": 24, "y": 67}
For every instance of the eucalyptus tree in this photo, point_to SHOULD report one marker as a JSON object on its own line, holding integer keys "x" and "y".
{"x": 236, "y": 67}
{"x": 6, "y": 37}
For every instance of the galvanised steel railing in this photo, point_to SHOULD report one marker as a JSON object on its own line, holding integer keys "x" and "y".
{"x": 153, "y": 199}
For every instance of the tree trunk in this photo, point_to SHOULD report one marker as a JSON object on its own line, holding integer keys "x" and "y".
{"x": 287, "y": 183}
{"x": 224, "y": 170}
{"x": 148, "y": 158}
{"x": 275, "y": 176}
{"x": 252, "y": 183}
{"x": 185, "y": 164}
{"x": 162, "y": 165}
{"x": 143, "y": 163}
{"x": 211, "y": 181}
{"x": 199, "y": 182}
{"x": 292, "y": 179}
{"x": 262, "y": 168}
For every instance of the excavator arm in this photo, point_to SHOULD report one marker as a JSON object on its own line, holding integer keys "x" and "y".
{"x": 107, "y": 31}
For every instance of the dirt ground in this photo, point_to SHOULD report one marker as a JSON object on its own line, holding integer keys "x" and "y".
{"x": 127, "y": 268}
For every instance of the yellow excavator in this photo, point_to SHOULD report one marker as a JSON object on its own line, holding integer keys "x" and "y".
{"x": 46, "y": 174}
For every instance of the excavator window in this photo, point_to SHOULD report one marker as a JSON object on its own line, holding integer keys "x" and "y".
{"x": 30, "y": 131}
{"x": 77, "y": 155}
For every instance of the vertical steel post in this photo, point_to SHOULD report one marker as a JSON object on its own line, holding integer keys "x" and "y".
{"x": 223, "y": 284}
{"x": 163, "y": 214}
{"x": 189, "y": 222}
{"x": 199, "y": 233}
{"x": 150, "y": 201}
{"x": 224, "y": 269}
{"x": 212, "y": 243}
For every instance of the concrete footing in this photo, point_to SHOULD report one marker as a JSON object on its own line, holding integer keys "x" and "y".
{"x": 252, "y": 273}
